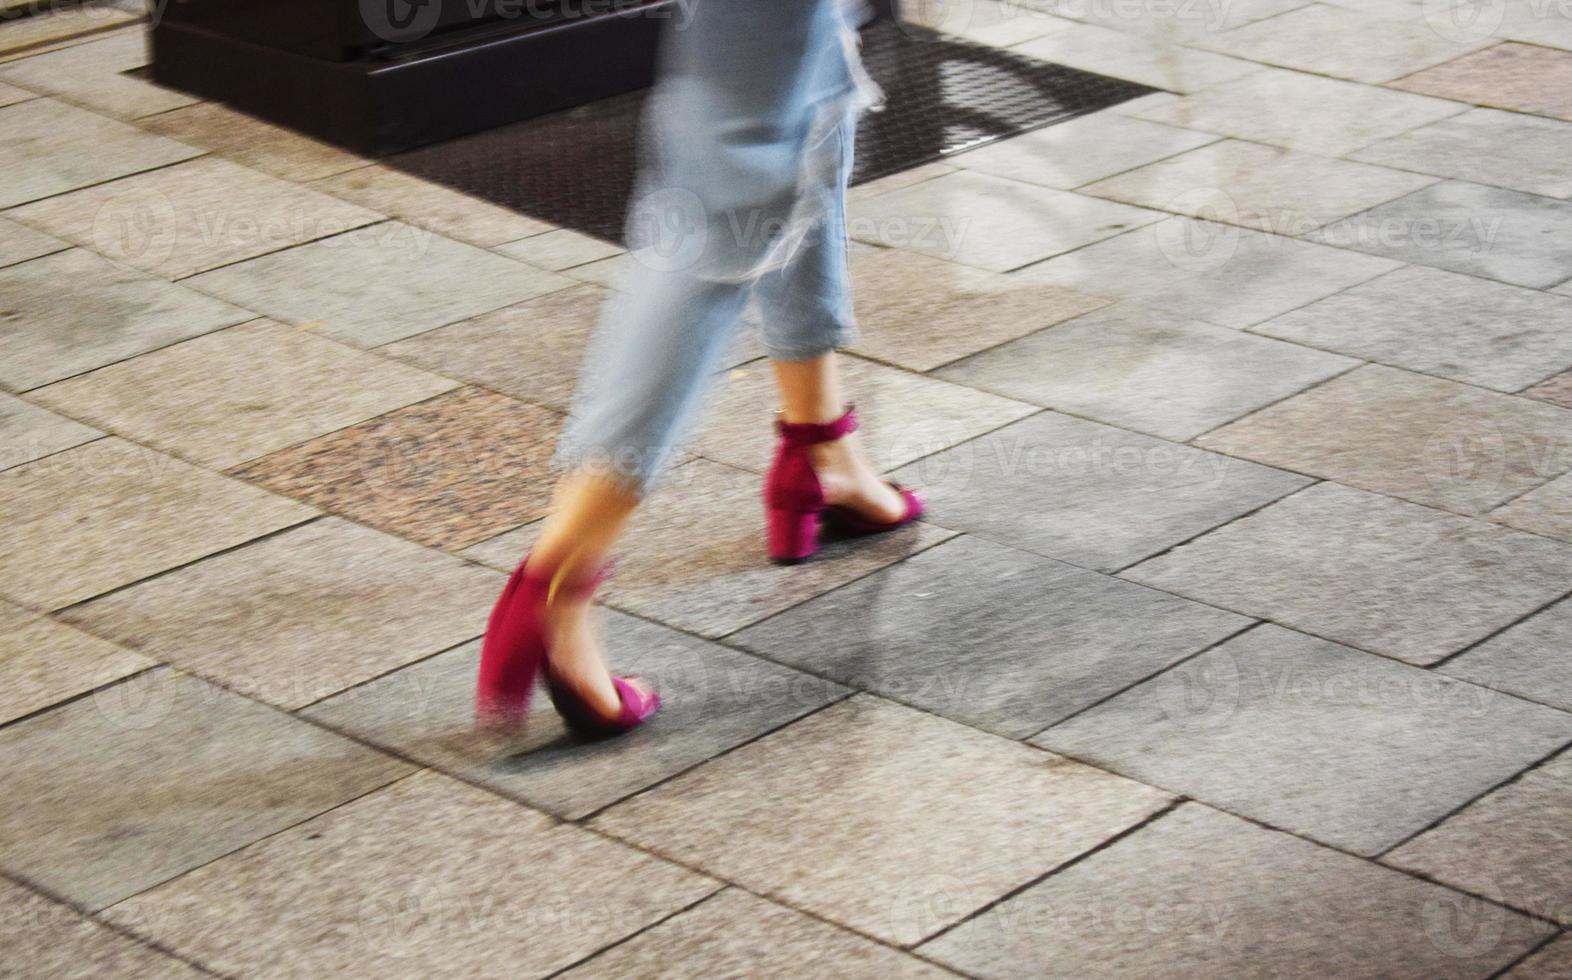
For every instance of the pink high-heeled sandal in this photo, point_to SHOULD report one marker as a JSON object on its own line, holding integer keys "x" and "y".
{"x": 794, "y": 498}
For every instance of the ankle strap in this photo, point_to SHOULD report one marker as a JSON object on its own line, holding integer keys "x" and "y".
{"x": 808, "y": 433}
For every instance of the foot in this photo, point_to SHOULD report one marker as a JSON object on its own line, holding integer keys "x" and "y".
{"x": 576, "y": 659}
{"x": 850, "y": 481}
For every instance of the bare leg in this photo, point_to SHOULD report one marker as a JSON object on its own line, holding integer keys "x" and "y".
{"x": 810, "y": 391}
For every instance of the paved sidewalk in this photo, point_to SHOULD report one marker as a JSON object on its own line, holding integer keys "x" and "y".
{"x": 1238, "y": 642}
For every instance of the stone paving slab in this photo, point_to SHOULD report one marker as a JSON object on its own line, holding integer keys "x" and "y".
{"x": 28, "y": 432}
{"x": 448, "y": 472}
{"x": 1000, "y": 639}
{"x": 1424, "y": 439}
{"x": 49, "y": 147}
{"x": 75, "y": 311}
{"x": 1086, "y": 493}
{"x": 1557, "y": 390}
{"x": 251, "y": 142}
{"x": 1203, "y": 270}
{"x": 694, "y": 558}
{"x": 379, "y": 284}
{"x": 61, "y": 24}
{"x": 43, "y": 662}
{"x": 1142, "y": 369}
{"x": 1119, "y": 53}
{"x": 735, "y": 934}
{"x": 1509, "y": 846}
{"x": 302, "y": 614}
{"x": 1468, "y": 147}
{"x": 428, "y": 205}
{"x": 158, "y": 775}
{"x": 236, "y": 394}
{"x": 1088, "y": 148}
{"x": 1532, "y": 659}
{"x": 713, "y": 699}
{"x": 882, "y": 818}
{"x": 93, "y": 75}
{"x": 558, "y": 249}
{"x": 1442, "y": 323}
{"x": 1201, "y": 893}
{"x": 108, "y": 513}
{"x": 1345, "y": 747}
{"x": 18, "y": 243}
{"x": 11, "y": 95}
{"x": 55, "y": 940}
{"x": 1547, "y": 510}
{"x": 1376, "y": 573}
{"x": 1552, "y": 962}
{"x": 1520, "y": 77}
{"x": 426, "y": 877}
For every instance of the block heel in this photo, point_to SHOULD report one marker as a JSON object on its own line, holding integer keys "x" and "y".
{"x": 793, "y": 535}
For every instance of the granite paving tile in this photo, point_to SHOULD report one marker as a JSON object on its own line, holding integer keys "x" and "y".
{"x": 426, "y": 877}
{"x": 919, "y": 312}
{"x": 1322, "y": 115}
{"x": 11, "y": 95}
{"x": 379, "y": 284}
{"x": 1366, "y": 570}
{"x": 1119, "y": 53}
{"x": 736, "y": 934}
{"x": 18, "y": 243}
{"x": 430, "y": 205}
{"x": 1483, "y": 231}
{"x": 989, "y": 222}
{"x": 1556, "y": 390}
{"x": 55, "y": 940}
{"x": 300, "y": 615}
{"x": 161, "y": 773}
{"x": 881, "y": 818}
{"x": 990, "y": 636}
{"x": 1536, "y": 23}
{"x": 1553, "y": 961}
{"x": 1509, "y": 845}
{"x": 28, "y": 432}
{"x": 901, "y": 416}
{"x": 233, "y": 395}
{"x": 48, "y": 147}
{"x": 993, "y": 22}
{"x": 713, "y": 699}
{"x": 200, "y": 215}
{"x": 1145, "y": 370}
{"x": 1409, "y": 435}
{"x": 449, "y": 472}
{"x": 1082, "y": 150}
{"x": 1520, "y": 77}
{"x": 1087, "y": 493}
{"x": 694, "y": 557}
{"x": 1259, "y": 186}
{"x": 1547, "y": 510}
{"x": 1204, "y": 270}
{"x": 1530, "y": 659}
{"x": 1171, "y": 24}
{"x": 1468, "y": 147}
{"x": 62, "y": 23}
{"x": 1437, "y": 322}
{"x": 1345, "y": 747}
{"x": 251, "y": 142}
{"x": 93, "y": 75}
{"x": 72, "y": 311}
{"x": 900, "y": 179}
{"x": 42, "y": 662}
{"x": 561, "y": 248}
{"x": 1202, "y": 893}
{"x": 108, "y": 513}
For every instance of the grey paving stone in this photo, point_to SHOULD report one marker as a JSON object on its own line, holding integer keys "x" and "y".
{"x": 73, "y": 311}
{"x": 149, "y": 778}
{"x": 1509, "y": 845}
{"x": 49, "y": 147}
{"x": 1345, "y": 747}
{"x": 1553, "y": 961}
{"x": 11, "y": 95}
{"x": 1532, "y": 659}
{"x": 1087, "y": 493}
{"x": 42, "y": 662}
{"x": 1079, "y": 151}
{"x": 1442, "y": 323}
{"x": 94, "y": 75}
{"x": 302, "y": 614}
{"x": 1370, "y": 571}
{"x": 251, "y": 142}
{"x": 735, "y": 934}
{"x": 1484, "y": 231}
{"x": 997, "y": 638}
{"x": 881, "y": 818}
{"x": 428, "y": 205}
{"x": 1547, "y": 510}
{"x": 989, "y": 222}
{"x": 694, "y": 557}
{"x": 427, "y": 877}
{"x": 49, "y": 939}
{"x": 1172, "y": 24}
{"x": 18, "y": 243}
{"x": 713, "y": 699}
{"x": 1468, "y": 147}
{"x": 378, "y": 284}
{"x": 1556, "y": 390}
{"x": 558, "y": 249}
{"x": 1120, "y": 53}
{"x": 1410, "y": 435}
{"x": 1201, "y": 893}
{"x": 1204, "y": 270}
{"x": 28, "y": 432}
{"x": 1142, "y": 369}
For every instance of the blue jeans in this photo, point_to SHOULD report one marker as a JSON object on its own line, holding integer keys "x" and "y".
{"x": 742, "y": 195}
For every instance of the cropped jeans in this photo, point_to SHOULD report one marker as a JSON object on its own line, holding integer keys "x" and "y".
{"x": 741, "y": 196}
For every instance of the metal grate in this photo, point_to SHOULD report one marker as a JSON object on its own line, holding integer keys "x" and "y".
{"x": 576, "y": 168}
